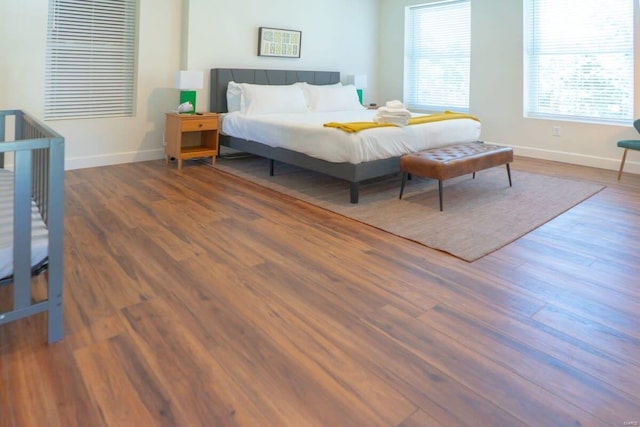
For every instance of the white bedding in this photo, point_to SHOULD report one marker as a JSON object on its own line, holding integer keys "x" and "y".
{"x": 39, "y": 233}
{"x": 305, "y": 133}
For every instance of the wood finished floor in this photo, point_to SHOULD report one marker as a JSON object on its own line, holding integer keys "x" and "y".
{"x": 197, "y": 299}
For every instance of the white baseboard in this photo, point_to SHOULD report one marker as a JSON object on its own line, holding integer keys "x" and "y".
{"x": 112, "y": 159}
{"x": 630, "y": 166}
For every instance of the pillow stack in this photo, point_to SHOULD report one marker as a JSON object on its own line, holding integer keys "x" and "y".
{"x": 253, "y": 99}
{"x": 393, "y": 113}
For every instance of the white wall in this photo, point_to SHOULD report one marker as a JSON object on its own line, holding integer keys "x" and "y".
{"x": 94, "y": 142}
{"x": 497, "y": 88}
{"x": 353, "y": 37}
{"x": 337, "y": 35}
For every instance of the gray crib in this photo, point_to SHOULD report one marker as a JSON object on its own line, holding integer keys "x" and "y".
{"x": 31, "y": 217}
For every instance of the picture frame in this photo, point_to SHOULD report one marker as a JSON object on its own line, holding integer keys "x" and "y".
{"x": 279, "y": 42}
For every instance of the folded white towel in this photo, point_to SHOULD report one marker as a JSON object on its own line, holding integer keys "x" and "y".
{"x": 395, "y": 105}
{"x": 384, "y": 111}
{"x": 393, "y": 113}
{"x": 398, "y": 121}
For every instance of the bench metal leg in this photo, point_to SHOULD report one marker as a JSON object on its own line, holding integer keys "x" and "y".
{"x": 440, "y": 193}
{"x": 404, "y": 180}
{"x": 509, "y": 174}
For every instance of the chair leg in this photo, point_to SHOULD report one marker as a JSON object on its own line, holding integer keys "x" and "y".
{"x": 624, "y": 157}
{"x": 509, "y": 174}
{"x": 404, "y": 180}
{"x": 440, "y": 193}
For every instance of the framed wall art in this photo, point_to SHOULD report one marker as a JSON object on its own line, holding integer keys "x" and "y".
{"x": 279, "y": 42}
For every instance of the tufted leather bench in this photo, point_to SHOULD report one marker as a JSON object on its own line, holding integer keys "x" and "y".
{"x": 455, "y": 160}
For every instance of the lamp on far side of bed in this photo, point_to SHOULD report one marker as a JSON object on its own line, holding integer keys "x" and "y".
{"x": 359, "y": 81}
{"x": 188, "y": 82}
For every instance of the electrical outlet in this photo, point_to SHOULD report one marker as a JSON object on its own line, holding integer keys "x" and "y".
{"x": 555, "y": 131}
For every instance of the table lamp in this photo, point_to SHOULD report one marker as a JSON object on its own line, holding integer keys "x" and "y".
{"x": 360, "y": 82}
{"x": 188, "y": 82}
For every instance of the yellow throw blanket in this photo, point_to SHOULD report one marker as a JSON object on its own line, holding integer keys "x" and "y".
{"x": 352, "y": 127}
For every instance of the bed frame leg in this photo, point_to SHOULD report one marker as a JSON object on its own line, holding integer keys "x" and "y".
{"x": 271, "y": 165}
{"x": 355, "y": 192}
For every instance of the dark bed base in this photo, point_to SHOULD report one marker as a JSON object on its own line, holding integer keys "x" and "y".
{"x": 353, "y": 173}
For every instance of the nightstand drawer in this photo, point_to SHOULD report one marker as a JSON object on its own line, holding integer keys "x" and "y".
{"x": 204, "y": 123}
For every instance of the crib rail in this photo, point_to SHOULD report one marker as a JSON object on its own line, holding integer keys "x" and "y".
{"x": 38, "y": 165}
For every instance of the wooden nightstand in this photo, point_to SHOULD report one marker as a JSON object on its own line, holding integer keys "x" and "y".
{"x": 179, "y": 124}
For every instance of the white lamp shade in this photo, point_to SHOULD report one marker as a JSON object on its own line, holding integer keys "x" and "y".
{"x": 358, "y": 80}
{"x": 188, "y": 80}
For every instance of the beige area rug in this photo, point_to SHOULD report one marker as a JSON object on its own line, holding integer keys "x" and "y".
{"x": 480, "y": 215}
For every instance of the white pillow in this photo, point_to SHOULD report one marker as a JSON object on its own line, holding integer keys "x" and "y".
{"x": 311, "y": 92}
{"x": 333, "y": 98}
{"x": 267, "y": 99}
{"x": 234, "y": 95}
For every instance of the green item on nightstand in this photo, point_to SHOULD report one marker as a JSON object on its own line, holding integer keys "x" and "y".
{"x": 188, "y": 96}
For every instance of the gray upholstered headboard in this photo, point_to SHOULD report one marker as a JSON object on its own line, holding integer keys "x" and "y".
{"x": 220, "y": 77}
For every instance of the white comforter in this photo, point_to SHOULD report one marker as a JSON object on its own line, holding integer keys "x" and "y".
{"x": 39, "y": 234}
{"x": 305, "y": 133}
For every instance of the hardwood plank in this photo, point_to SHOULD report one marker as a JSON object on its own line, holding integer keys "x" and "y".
{"x": 604, "y": 401}
{"x": 607, "y": 339}
{"x": 71, "y": 401}
{"x": 187, "y": 369}
{"x": 464, "y": 283}
{"x": 331, "y": 403}
{"x": 19, "y": 372}
{"x": 197, "y": 298}
{"x": 434, "y": 391}
{"x": 583, "y": 296}
{"x": 86, "y": 303}
{"x": 419, "y": 419}
{"x": 358, "y": 389}
{"x": 572, "y": 351}
{"x": 523, "y": 399}
{"x": 302, "y": 255}
{"x": 109, "y": 385}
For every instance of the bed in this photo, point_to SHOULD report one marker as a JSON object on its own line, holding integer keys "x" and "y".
{"x": 285, "y": 137}
{"x": 31, "y": 218}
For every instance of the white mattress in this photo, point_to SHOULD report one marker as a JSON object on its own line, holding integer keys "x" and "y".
{"x": 305, "y": 133}
{"x": 39, "y": 233}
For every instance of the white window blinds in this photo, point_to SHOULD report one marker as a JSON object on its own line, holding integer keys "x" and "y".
{"x": 438, "y": 56}
{"x": 90, "y": 65}
{"x": 579, "y": 60}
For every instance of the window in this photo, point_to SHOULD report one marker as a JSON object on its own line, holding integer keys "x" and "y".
{"x": 579, "y": 60}
{"x": 90, "y": 64}
{"x": 438, "y": 56}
